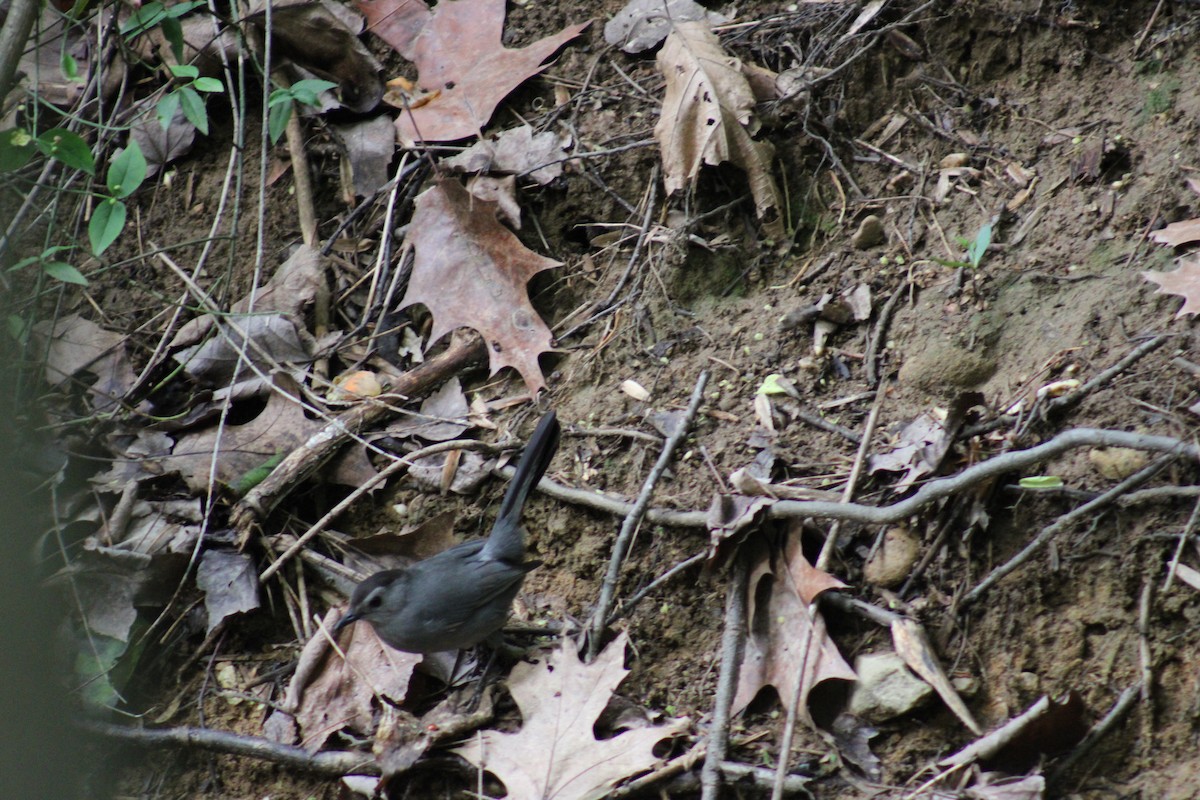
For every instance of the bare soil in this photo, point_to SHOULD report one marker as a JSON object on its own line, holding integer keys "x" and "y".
{"x": 1059, "y": 295}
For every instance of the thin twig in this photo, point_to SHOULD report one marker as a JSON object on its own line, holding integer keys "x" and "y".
{"x": 731, "y": 659}
{"x": 640, "y": 594}
{"x": 329, "y": 763}
{"x": 1144, "y": 639}
{"x": 621, "y": 546}
{"x": 1183, "y": 540}
{"x": 1050, "y": 531}
{"x": 871, "y": 357}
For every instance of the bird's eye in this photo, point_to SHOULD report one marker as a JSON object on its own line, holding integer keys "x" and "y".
{"x": 375, "y": 602}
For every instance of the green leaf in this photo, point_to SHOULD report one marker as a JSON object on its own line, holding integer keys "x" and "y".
{"x": 208, "y": 85}
{"x": 189, "y": 71}
{"x": 62, "y": 271}
{"x": 176, "y": 11}
{"x": 1041, "y": 482}
{"x": 69, "y": 67}
{"x": 108, "y": 220}
{"x": 279, "y": 120}
{"x": 69, "y": 148}
{"x": 279, "y": 97}
{"x": 17, "y": 328}
{"x": 127, "y": 170}
{"x": 307, "y": 90}
{"x": 983, "y": 240}
{"x": 165, "y": 110}
{"x": 193, "y": 108}
{"x": 143, "y": 19}
{"x": 173, "y": 33}
{"x": 16, "y": 148}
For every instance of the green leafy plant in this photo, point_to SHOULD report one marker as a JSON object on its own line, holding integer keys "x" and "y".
{"x": 52, "y": 266}
{"x": 155, "y": 13}
{"x": 282, "y": 102}
{"x": 187, "y": 96}
{"x": 975, "y": 249}
{"x": 125, "y": 175}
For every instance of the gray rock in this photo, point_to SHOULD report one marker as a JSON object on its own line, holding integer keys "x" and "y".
{"x": 886, "y": 688}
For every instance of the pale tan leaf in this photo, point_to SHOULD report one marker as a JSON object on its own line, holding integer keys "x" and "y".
{"x": 1178, "y": 233}
{"x": 471, "y": 271}
{"x": 556, "y": 753}
{"x": 913, "y": 646}
{"x": 1184, "y": 282}
{"x": 706, "y": 117}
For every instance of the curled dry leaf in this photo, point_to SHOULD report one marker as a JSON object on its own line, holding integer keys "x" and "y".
{"x": 471, "y": 271}
{"x": 642, "y": 24}
{"x": 556, "y": 753}
{"x": 706, "y": 118}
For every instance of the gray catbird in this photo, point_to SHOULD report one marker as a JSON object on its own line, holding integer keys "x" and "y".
{"x": 461, "y": 596}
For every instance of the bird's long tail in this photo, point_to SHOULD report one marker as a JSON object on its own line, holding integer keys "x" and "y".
{"x": 507, "y": 542}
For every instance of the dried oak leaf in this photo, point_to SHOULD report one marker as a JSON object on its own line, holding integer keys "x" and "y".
{"x": 1184, "y": 282}
{"x": 459, "y": 55}
{"x": 706, "y": 117}
{"x": 787, "y": 645}
{"x": 556, "y": 753}
{"x": 397, "y": 22}
{"x": 469, "y": 270}
{"x": 1178, "y": 233}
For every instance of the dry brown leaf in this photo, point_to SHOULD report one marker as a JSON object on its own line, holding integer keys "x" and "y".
{"x": 230, "y": 585}
{"x": 343, "y": 692}
{"x": 459, "y": 54}
{"x": 784, "y": 630}
{"x": 397, "y": 22}
{"x": 279, "y": 428}
{"x": 73, "y": 345}
{"x": 556, "y": 753}
{"x": 471, "y": 271}
{"x": 515, "y": 151}
{"x": 1184, "y": 282}
{"x": 706, "y": 118}
{"x": 1178, "y": 233}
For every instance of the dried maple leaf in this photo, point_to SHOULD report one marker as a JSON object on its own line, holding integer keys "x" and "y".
{"x": 556, "y": 753}
{"x": 459, "y": 53}
{"x": 469, "y": 270}
{"x": 787, "y": 645}
{"x": 1184, "y": 282}
{"x": 706, "y": 117}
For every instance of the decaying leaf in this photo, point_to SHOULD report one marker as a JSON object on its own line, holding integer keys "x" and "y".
{"x": 342, "y": 692}
{"x": 515, "y": 151}
{"x": 277, "y": 430}
{"x": 369, "y": 145}
{"x": 913, "y": 646}
{"x": 787, "y": 645}
{"x": 459, "y": 54}
{"x": 1184, "y": 282}
{"x": 230, "y": 584}
{"x": 73, "y": 345}
{"x": 925, "y": 442}
{"x": 556, "y": 753}
{"x": 471, "y": 271}
{"x": 706, "y": 118}
{"x": 642, "y": 24}
{"x": 1049, "y": 727}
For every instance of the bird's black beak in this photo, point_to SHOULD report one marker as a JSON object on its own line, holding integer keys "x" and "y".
{"x": 346, "y": 620}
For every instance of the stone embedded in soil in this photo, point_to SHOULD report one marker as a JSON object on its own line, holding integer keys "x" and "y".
{"x": 869, "y": 234}
{"x": 944, "y": 368}
{"x": 1117, "y": 463}
{"x": 894, "y": 560}
{"x": 886, "y": 689}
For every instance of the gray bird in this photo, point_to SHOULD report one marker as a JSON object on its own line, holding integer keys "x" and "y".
{"x": 461, "y": 596}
